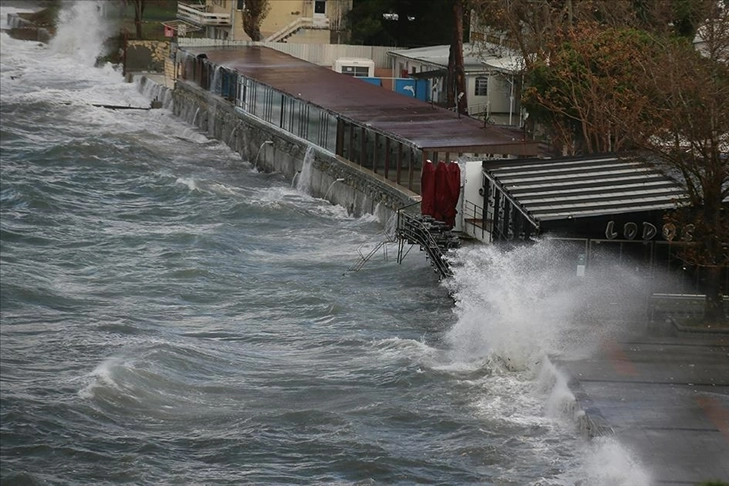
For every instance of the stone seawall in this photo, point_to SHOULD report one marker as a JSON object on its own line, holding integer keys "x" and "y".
{"x": 24, "y": 29}
{"x": 146, "y": 55}
{"x": 320, "y": 172}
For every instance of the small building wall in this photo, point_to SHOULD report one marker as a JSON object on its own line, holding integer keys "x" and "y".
{"x": 146, "y": 56}
{"x": 496, "y": 104}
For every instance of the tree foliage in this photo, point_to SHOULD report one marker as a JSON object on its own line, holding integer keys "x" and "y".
{"x": 402, "y": 23}
{"x": 620, "y": 75}
{"x": 686, "y": 123}
{"x": 139, "y": 6}
{"x": 588, "y": 80}
{"x": 533, "y": 27}
{"x": 254, "y": 13}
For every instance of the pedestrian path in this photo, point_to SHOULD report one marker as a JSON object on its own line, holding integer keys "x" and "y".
{"x": 665, "y": 398}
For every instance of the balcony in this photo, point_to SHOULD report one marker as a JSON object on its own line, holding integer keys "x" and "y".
{"x": 199, "y": 16}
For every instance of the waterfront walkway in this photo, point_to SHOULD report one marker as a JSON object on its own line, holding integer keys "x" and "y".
{"x": 664, "y": 394}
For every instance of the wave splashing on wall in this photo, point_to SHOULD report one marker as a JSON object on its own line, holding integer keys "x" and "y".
{"x": 83, "y": 27}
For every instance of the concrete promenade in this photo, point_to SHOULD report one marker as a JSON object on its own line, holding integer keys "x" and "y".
{"x": 664, "y": 394}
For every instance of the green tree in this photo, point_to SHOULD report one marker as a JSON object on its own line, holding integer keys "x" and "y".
{"x": 603, "y": 86}
{"x": 139, "y": 6}
{"x": 254, "y": 13}
{"x": 587, "y": 81}
{"x": 686, "y": 123}
{"x": 403, "y": 23}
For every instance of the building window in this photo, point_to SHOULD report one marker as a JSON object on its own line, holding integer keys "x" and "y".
{"x": 241, "y": 5}
{"x": 320, "y": 7}
{"x": 357, "y": 71}
{"x": 482, "y": 86}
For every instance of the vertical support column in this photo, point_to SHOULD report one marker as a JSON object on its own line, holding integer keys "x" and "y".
{"x": 339, "y": 149}
{"x": 399, "y": 162}
{"x": 387, "y": 156}
{"x": 423, "y": 161}
{"x": 363, "y": 147}
{"x": 350, "y": 153}
{"x": 375, "y": 153}
{"x": 283, "y": 110}
{"x": 496, "y": 220}
{"x": 411, "y": 168}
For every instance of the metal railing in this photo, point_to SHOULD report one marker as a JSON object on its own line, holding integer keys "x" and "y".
{"x": 292, "y": 27}
{"x": 432, "y": 236}
{"x": 199, "y": 16}
{"x": 475, "y": 224}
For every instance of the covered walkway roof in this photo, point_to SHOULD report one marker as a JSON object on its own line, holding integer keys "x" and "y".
{"x": 570, "y": 188}
{"x": 409, "y": 120}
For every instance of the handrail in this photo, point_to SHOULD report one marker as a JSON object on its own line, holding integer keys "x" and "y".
{"x": 293, "y": 26}
{"x": 411, "y": 229}
{"x": 199, "y": 16}
{"x": 473, "y": 215}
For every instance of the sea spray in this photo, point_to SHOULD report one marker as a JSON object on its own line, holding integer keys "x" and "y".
{"x": 519, "y": 308}
{"x": 83, "y": 28}
{"x": 607, "y": 462}
{"x": 303, "y": 182}
{"x": 523, "y": 303}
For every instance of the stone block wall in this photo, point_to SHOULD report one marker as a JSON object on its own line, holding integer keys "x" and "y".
{"x": 330, "y": 176}
{"x": 146, "y": 56}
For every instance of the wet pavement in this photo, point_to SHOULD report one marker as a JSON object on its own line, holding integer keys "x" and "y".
{"x": 664, "y": 394}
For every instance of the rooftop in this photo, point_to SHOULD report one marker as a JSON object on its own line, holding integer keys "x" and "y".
{"x": 475, "y": 57}
{"x": 427, "y": 127}
{"x": 569, "y": 188}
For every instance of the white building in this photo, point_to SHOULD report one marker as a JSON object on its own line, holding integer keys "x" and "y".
{"x": 492, "y": 78}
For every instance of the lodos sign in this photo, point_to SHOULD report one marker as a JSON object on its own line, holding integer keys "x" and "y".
{"x": 649, "y": 231}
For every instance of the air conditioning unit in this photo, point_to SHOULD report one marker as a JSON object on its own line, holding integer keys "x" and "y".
{"x": 358, "y": 67}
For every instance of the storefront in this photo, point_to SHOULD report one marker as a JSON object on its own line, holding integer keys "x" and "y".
{"x": 600, "y": 210}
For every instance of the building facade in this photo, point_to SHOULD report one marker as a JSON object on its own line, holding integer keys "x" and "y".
{"x": 492, "y": 79}
{"x": 300, "y": 21}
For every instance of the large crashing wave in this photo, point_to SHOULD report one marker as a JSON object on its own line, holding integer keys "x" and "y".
{"x": 83, "y": 28}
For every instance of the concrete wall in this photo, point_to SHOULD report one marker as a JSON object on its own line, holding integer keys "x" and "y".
{"x": 146, "y": 56}
{"x": 326, "y": 174}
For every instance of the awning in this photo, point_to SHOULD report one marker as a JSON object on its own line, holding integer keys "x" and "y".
{"x": 436, "y": 73}
{"x": 570, "y": 188}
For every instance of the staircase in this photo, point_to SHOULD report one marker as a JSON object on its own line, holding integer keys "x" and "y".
{"x": 433, "y": 237}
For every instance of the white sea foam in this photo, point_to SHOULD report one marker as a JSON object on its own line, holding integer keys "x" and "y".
{"x": 526, "y": 303}
{"x": 189, "y": 182}
{"x": 82, "y": 29}
{"x": 8, "y": 10}
{"x": 519, "y": 308}
{"x": 102, "y": 376}
{"x": 609, "y": 463}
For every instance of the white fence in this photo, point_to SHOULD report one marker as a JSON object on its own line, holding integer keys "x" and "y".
{"x": 321, "y": 54}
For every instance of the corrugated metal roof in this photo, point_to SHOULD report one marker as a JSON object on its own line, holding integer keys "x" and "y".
{"x": 410, "y": 120}
{"x": 474, "y": 56}
{"x": 554, "y": 189}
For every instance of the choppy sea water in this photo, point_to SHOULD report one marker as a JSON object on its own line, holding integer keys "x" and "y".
{"x": 170, "y": 315}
